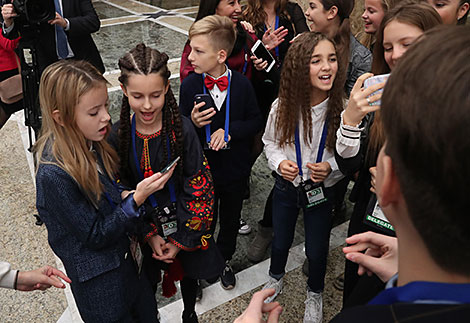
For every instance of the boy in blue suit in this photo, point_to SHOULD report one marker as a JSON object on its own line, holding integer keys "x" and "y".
{"x": 225, "y": 127}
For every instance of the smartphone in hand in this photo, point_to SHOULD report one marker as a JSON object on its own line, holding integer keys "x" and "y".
{"x": 376, "y": 80}
{"x": 260, "y": 51}
{"x": 169, "y": 166}
{"x": 206, "y": 98}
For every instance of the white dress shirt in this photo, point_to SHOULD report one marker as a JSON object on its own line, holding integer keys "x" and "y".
{"x": 348, "y": 139}
{"x": 217, "y": 95}
{"x": 309, "y": 152}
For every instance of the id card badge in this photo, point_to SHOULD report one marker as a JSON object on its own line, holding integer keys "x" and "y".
{"x": 226, "y": 147}
{"x": 136, "y": 253}
{"x": 314, "y": 193}
{"x": 166, "y": 218}
{"x": 375, "y": 217}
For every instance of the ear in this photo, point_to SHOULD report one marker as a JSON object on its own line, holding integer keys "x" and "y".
{"x": 57, "y": 117}
{"x": 167, "y": 87}
{"x": 222, "y": 56}
{"x": 463, "y": 10}
{"x": 123, "y": 88}
{"x": 332, "y": 13}
{"x": 389, "y": 192}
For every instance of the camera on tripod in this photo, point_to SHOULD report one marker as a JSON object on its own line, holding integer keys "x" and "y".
{"x": 32, "y": 12}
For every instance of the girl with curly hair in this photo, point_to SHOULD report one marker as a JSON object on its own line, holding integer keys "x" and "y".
{"x": 299, "y": 143}
{"x": 180, "y": 215}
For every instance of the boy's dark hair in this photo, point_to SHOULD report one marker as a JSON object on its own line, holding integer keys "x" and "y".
{"x": 145, "y": 60}
{"x": 426, "y": 115}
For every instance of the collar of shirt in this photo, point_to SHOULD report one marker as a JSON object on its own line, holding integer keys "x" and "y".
{"x": 217, "y": 95}
{"x": 421, "y": 292}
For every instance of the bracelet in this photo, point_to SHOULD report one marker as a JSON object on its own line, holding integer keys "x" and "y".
{"x": 16, "y": 279}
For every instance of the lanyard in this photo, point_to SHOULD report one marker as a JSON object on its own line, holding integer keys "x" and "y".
{"x": 276, "y": 26}
{"x": 425, "y": 293}
{"x": 245, "y": 65}
{"x": 227, "y": 110}
{"x": 152, "y": 199}
{"x": 321, "y": 147}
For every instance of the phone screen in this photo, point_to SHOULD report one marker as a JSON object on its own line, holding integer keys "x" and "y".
{"x": 263, "y": 53}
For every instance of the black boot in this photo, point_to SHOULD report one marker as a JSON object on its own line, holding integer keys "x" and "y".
{"x": 190, "y": 317}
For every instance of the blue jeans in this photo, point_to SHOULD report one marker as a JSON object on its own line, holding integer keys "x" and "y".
{"x": 317, "y": 224}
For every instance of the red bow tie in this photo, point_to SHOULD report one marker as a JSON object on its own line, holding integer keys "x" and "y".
{"x": 222, "y": 82}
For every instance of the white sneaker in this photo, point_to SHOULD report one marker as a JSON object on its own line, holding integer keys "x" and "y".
{"x": 313, "y": 308}
{"x": 274, "y": 284}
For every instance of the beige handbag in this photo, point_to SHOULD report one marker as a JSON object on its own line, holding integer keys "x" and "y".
{"x": 11, "y": 89}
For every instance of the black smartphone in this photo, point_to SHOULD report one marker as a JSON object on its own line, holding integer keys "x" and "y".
{"x": 206, "y": 98}
{"x": 168, "y": 167}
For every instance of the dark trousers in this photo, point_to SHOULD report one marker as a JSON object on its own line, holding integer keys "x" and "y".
{"x": 317, "y": 224}
{"x": 227, "y": 209}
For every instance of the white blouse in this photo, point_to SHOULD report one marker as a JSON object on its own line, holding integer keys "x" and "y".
{"x": 309, "y": 152}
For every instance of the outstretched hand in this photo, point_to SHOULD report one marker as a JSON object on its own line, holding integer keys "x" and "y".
{"x": 272, "y": 39}
{"x": 255, "y": 310}
{"x": 41, "y": 278}
{"x": 380, "y": 257}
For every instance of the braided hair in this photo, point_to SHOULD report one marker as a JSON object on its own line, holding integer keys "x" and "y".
{"x": 144, "y": 60}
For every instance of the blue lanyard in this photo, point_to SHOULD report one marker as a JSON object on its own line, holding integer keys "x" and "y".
{"x": 321, "y": 147}
{"x": 276, "y": 26}
{"x": 108, "y": 197}
{"x": 152, "y": 199}
{"x": 425, "y": 293}
{"x": 227, "y": 110}
{"x": 245, "y": 65}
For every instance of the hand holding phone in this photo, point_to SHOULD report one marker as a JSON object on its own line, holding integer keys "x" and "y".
{"x": 203, "y": 110}
{"x": 169, "y": 166}
{"x": 376, "y": 80}
{"x": 260, "y": 51}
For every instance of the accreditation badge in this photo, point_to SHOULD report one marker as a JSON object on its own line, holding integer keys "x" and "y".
{"x": 375, "y": 217}
{"x": 166, "y": 220}
{"x": 136, "y": 253}
{"x": 313, "y": 193}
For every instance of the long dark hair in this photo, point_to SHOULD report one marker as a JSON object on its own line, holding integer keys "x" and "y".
{"x": 145, "y": 60}
{"x": 295, "y": 93}
{"x": 206, "y": 8}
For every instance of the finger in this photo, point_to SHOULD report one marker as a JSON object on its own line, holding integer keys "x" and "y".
{"x": 268, "y": 307}
{"x": 368, "y": 262}
{"x": 274, "y": 315}
{"x": 371, "y": 89}
{"x": 373, "y": 238}
{"x": 60, "y": 274}
{"x": 53, "y": 281}
{"x": 358, "y": 247}
{"x": 360, "y": 82}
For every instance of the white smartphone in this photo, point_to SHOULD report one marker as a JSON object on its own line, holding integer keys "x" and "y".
{"x": 260, "y": 51}
{"x": 376, "y": 80}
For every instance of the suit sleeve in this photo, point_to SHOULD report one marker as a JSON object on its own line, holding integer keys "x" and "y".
{"x": 60, "y": 199}
{"x": 195, "y": 206}
{"x": 7, "y": 275}
{"x": 86, "y": 21}
{"x": 252, "y": 123}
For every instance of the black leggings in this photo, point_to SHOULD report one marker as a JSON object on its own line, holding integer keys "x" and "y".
{"x": 188, "y": 292}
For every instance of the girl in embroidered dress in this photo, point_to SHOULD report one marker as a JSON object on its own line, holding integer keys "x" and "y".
{"x": 180, "y": 215}
{"x": 299, "y": 142}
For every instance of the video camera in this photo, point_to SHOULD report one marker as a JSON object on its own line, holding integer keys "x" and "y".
{"x": 33, "y": 12}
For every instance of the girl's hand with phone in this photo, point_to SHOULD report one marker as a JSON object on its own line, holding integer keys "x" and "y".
{"x": 288, "y": 169}
{"x": 150, "y": 185}
{"x": 359, "y": 103}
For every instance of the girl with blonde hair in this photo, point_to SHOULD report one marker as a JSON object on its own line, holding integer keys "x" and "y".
{"x": 90, "y": 228}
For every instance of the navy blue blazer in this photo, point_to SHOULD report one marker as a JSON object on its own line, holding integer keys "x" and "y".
{"x": 92, "y": 242}
{"x": 233, "y": 164}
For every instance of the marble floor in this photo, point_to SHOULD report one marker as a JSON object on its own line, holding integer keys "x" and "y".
{"x": 164, "y": 25}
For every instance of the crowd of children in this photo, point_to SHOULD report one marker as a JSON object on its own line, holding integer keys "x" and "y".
{"x": 124, "y": 202}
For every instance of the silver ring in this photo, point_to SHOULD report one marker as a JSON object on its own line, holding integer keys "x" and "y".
{"x": 368, "y": 101}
